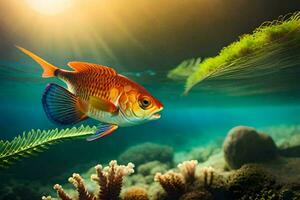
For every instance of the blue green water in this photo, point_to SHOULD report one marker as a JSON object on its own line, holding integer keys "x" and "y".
{"x": 186, "y": 122}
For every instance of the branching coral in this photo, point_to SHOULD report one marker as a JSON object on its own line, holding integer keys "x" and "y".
{"x": 172, "y": 182}
{"x": 109, "y": 179}
{"x": 36, "y": 141}
{"x": 175, "y": 184}
{"x": 208, "y": 176}
{"x": 188, "y": 170}
{"x": 270, "y": 49}
{"x": 135, "y": 193}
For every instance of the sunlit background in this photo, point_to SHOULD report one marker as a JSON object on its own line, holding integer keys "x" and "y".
{"x": 135, "y": 34}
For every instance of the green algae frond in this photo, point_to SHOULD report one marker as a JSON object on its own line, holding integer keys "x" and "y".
{"x": 268, "y": 49}
{"x": 184, "y": 69}
{"x": 36, "y": 141}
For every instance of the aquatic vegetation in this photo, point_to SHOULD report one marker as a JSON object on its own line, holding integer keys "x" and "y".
{"x": 184, "y": 69}
{"x": 36, "y": 141}
{"x": 270, "y": 49}
{"x": 147, "y": 152}
{"x": 109, "y": 179}
{"x": 245, "y": 145}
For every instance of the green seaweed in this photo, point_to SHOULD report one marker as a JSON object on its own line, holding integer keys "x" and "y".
{"x": 184, "y": 69}
{"x": 252, "y": 55}
{"x": 36, "y": 141}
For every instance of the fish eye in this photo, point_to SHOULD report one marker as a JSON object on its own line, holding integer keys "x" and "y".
{"x": 145, "y": 102}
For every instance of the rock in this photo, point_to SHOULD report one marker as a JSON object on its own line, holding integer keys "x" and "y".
{"x": 147, "y": 152}
{"x": 245, "y": 145}
{"x": 197, "y": 195}
{"x": 252, "y": 182}
{"x": 151, "y": 168}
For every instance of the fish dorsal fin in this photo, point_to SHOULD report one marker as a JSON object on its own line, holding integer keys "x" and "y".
{"x": 83, "y": 66}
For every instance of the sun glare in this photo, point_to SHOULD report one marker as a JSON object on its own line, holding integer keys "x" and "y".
{"x": 49, "y": 7}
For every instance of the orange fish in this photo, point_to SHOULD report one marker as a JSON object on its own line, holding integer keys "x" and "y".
{"x": 97, "y": 92}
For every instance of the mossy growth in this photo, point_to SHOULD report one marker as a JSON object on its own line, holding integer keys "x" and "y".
{"x": 246, "y": 52}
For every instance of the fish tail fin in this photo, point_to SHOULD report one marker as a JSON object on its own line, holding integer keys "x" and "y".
{"x": 49, "y": 69}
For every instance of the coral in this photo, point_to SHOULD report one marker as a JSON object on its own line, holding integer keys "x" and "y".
{"x": 135, "y": 193}
{"x": 60, "y": 192}
{"x": 176, "y": 184}
{"x": 172, "y": 183}
{"x": 188, "y": 170}
{"x": 147, "y": 152}
{"x": 36, "y": 141}
{"x": 197, "y": 195}
{"x": 245, "y": 145}
{"x": 253, "y": 182}
{"x": 208, "y": 176}
{"x": 109, "y": 179}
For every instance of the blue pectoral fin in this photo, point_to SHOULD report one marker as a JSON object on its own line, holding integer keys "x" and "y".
{"x": 61, "y": 106}
{"x": 103, "y": 130}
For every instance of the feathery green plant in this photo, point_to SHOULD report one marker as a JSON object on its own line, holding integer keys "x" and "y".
{"x": 271, "y": 48}
{"x": 184, "y": 69}
{"x": 36, "y": 141}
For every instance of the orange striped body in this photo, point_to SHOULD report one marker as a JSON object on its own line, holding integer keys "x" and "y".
{"x": 104, "y": 83}
{"x": 98, "y": 92}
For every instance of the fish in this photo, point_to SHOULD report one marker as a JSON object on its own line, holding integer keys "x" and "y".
{"x": 98, "y": 92}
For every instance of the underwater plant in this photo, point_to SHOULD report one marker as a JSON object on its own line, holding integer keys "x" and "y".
{"x": 184, "y": 69}
{"x": 36, "y": 141}
{"x": 272, "y": 48}
{"x": 109, "y": 179}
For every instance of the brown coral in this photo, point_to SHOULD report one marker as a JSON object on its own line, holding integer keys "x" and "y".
{"x": 83, "y": 193}
{"x": 176, "y": 184}
{"x": 208, "y": 176}
{"x": 172, "y": 182}
{"x": 197, "y": 195}
{"x": 109, "y": 179}
{"x": 135, "y": 193}
{"x": 188, "y": 169}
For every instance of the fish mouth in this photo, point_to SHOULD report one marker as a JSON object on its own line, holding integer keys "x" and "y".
{"x": 156, "y": 115}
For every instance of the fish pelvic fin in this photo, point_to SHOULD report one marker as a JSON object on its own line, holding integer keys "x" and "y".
{"x": 61, "y": 106}
{"x": 103, "y": 130}
{"x": 49, "y": 69}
